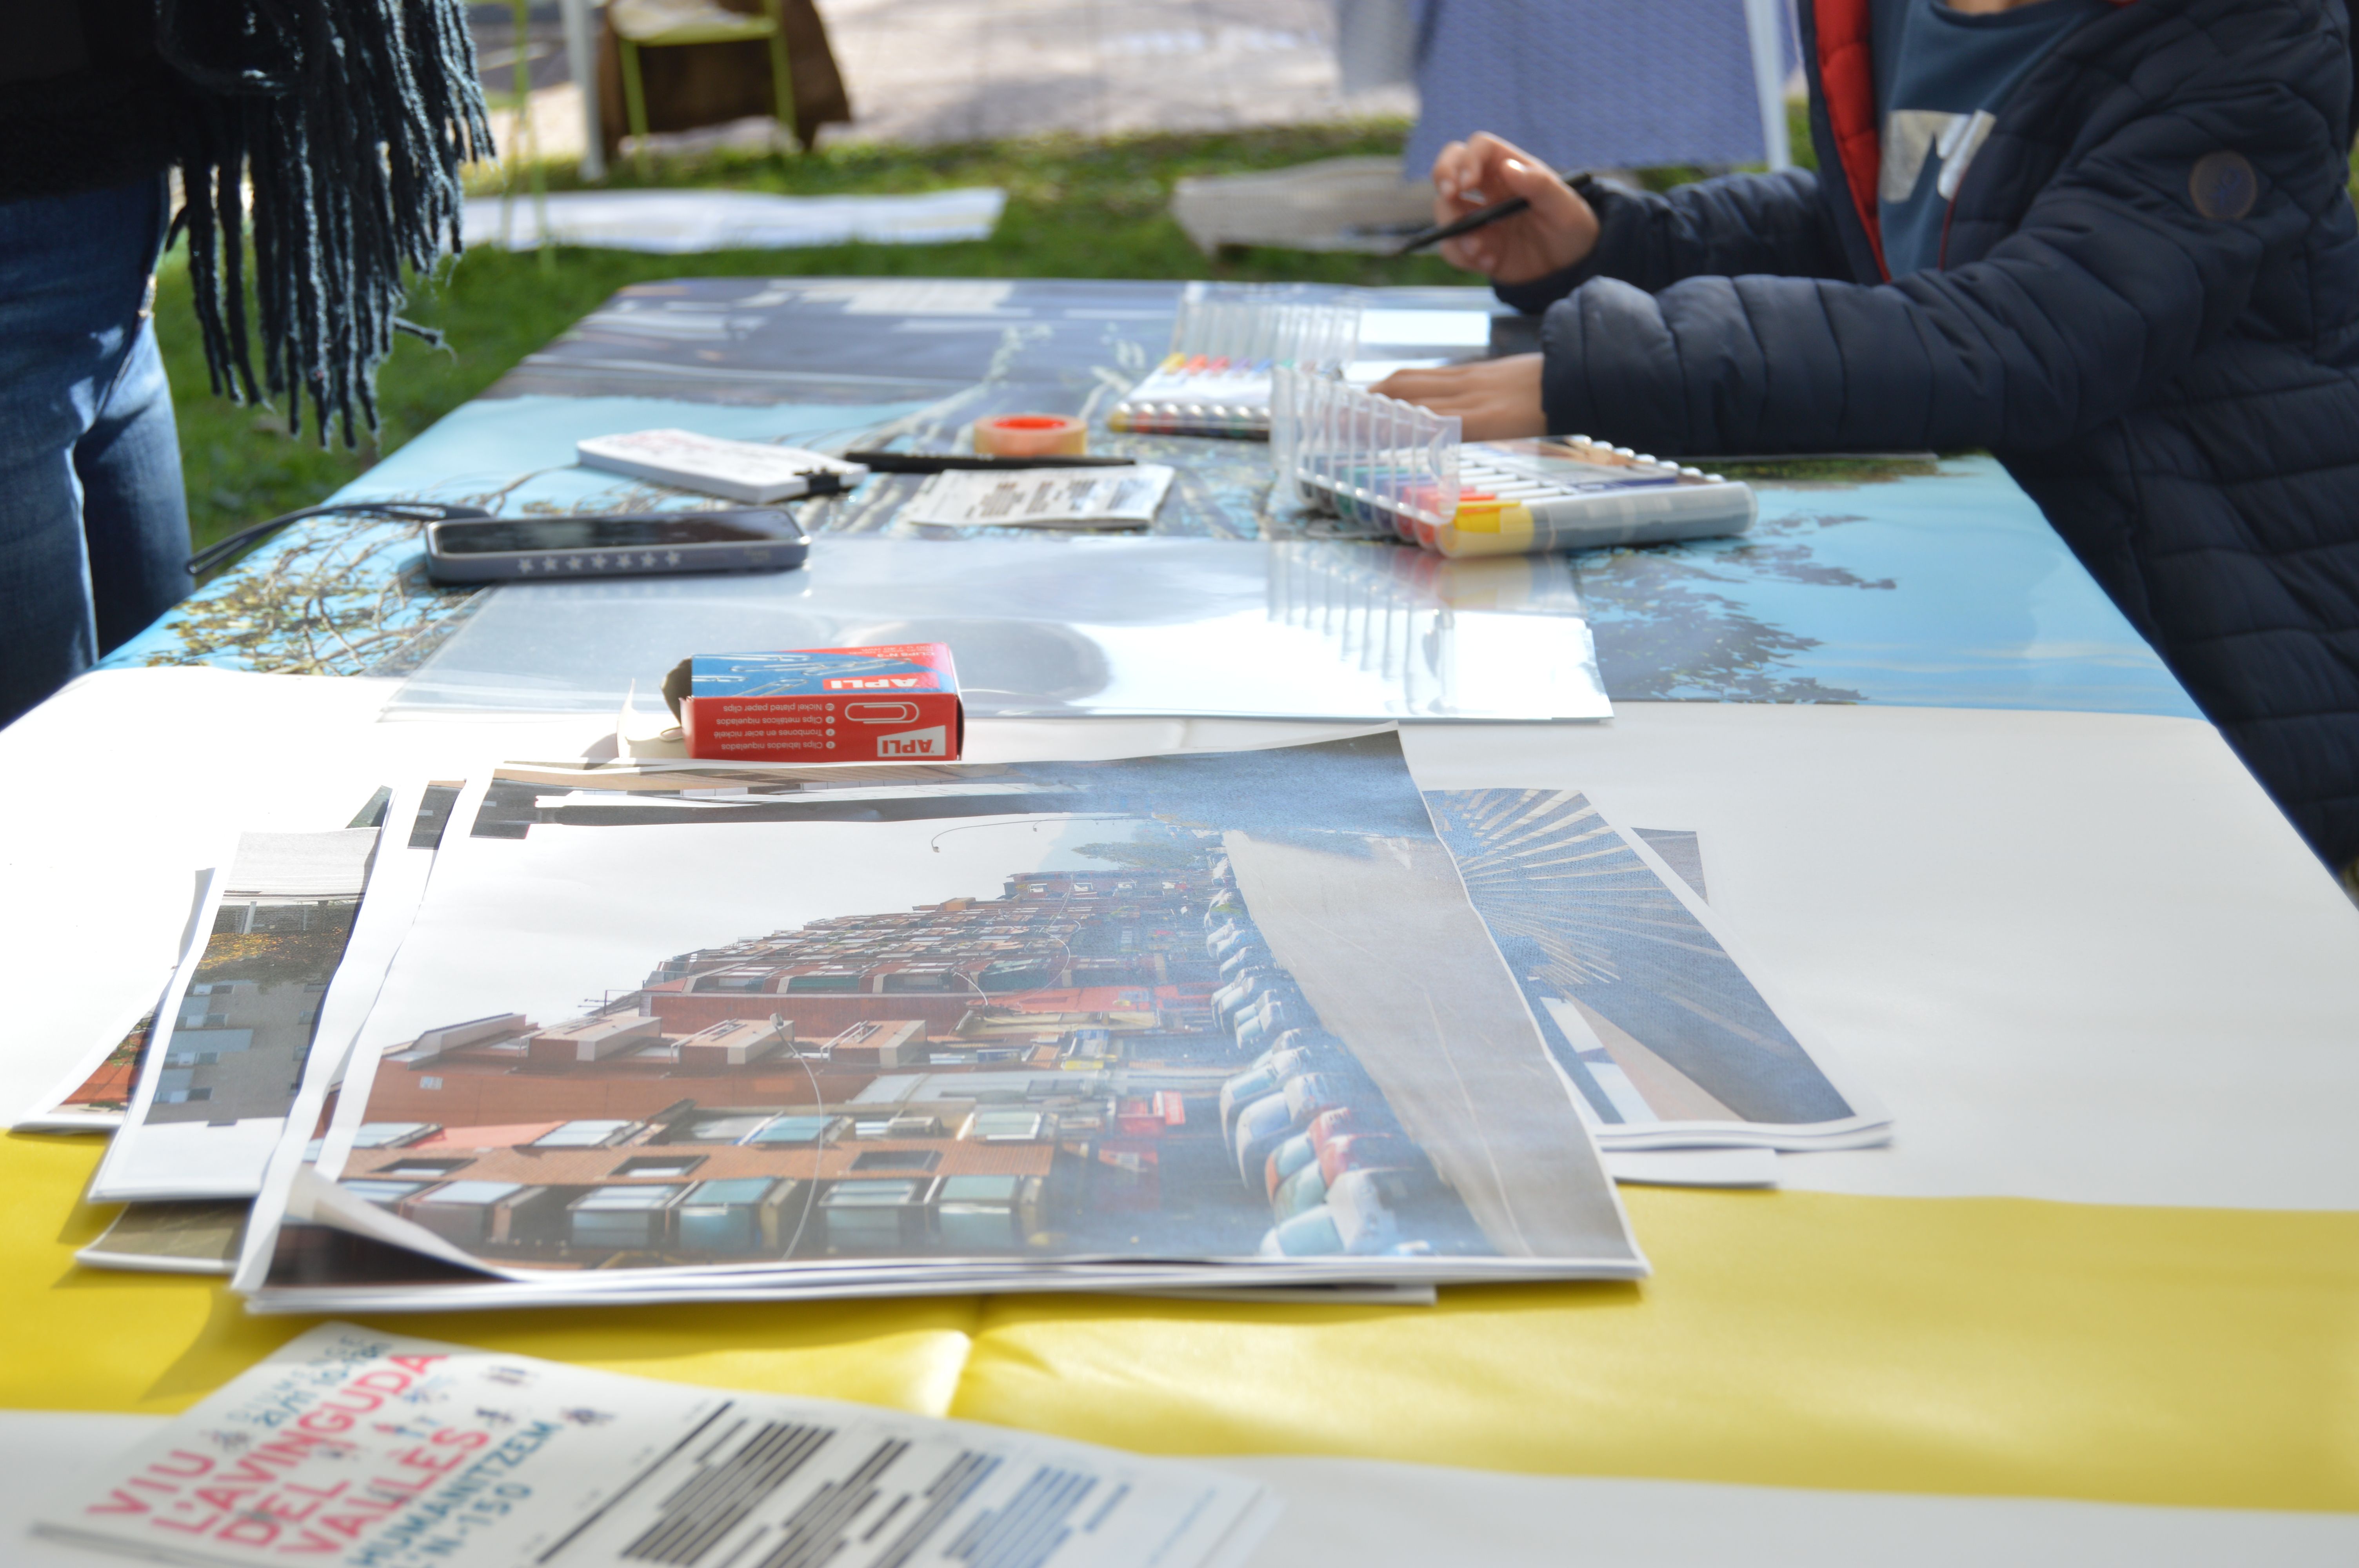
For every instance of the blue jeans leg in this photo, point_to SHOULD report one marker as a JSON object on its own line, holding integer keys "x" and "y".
{"x": 94, "y": 515}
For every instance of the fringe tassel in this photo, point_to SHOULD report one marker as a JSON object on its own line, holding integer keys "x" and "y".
{"x": 350, "y": 120}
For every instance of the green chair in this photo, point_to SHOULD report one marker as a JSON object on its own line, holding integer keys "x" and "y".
{"x": 666, "y": 24}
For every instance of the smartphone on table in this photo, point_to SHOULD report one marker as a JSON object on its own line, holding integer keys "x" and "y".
{"x": 539, "y": 549}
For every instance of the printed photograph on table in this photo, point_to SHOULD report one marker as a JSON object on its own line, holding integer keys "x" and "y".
{"x": 235, "y": 1031}
{"x": 297, "y": 942}
{"x": 1666, "y": 1035}
{"x": 1228, "y": 1010}
{"x": 200, "y": 1237}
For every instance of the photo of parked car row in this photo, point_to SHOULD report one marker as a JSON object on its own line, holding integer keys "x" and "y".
{"x": 1308, "y": 1129}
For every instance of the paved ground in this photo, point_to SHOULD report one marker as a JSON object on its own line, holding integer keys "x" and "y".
{"x": 947, "y": 71}
{"x": 924, "y": 70}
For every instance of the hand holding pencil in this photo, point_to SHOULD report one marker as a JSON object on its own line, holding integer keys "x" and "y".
{"x": 1555, "y": 230}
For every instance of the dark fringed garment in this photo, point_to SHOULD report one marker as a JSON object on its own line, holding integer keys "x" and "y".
{"x": 319, "y": 142}
{"x": 348, "y": 121}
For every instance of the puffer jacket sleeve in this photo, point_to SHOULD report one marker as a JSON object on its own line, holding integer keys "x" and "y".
{"x": 2108, "y": 286}
{"x": 1738, "y": 223}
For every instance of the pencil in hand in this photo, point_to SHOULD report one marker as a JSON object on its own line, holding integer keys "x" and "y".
{"x": 1581, "y": 180}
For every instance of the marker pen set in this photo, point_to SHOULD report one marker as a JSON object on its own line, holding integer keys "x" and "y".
{"x": 1568, "y": 492}
{"x": 1389, "y": 466}
{"x": 1227, "y": 341}
{"x": 1395, "y": 468}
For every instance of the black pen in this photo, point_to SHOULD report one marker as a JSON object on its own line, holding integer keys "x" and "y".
{"x": 1580, "y": 180}
{"x": 939, "y": 462}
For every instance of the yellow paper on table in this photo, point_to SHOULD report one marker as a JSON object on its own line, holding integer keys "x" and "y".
{"x": 2192, "y": 1358}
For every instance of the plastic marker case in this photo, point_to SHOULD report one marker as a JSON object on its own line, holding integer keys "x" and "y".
{"x": 1396, "y": 469}
{"x": 1568, "y": 492}
{"x": 1225, "y": 344}
{"x": 897, "y": 704}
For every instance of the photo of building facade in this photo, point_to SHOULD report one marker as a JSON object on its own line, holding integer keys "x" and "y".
{"x": 1056, "y": 1069}
{"x": 1647, "y": 1013}
{"x": 234, "y": 1047}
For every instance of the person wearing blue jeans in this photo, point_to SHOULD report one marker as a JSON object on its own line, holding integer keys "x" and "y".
{"x": 321, "y": 138}
{"x": 94, "y": 518}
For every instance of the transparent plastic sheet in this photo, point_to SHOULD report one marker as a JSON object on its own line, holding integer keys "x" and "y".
{"x": 1388, "y": 468}
{"x": 1227, "y": 341}
{"x": 1066, "y": 628}
{"x": 1274, "y": 322}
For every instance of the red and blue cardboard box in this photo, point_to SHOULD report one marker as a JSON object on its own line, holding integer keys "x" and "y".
{"x": 897, "y": 704}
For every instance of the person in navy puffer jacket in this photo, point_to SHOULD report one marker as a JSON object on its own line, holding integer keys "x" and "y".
{"x": 2112, "y": 243}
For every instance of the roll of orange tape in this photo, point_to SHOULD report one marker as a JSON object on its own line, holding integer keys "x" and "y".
{"x": 1031, "y": 435}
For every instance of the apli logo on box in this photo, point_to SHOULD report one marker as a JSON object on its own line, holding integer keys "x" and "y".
{"x": 877, "y": 683}
{"x": 934, "y": 742}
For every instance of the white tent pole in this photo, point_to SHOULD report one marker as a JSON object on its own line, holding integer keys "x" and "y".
{"x": 582, "y": 60}
{"x": 1765, "y": 30}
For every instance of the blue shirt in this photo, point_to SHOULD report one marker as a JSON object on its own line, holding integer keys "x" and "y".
{"x": 1941, "y": 76}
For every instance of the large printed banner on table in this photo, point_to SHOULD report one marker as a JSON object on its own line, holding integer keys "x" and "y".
{"x": 1933, "y": 583}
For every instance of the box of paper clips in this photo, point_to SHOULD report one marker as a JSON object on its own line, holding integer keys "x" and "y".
{"x": 1225, "y": 344}
{"x": 893, "y": 704}
{"x": 1394, "y": 468}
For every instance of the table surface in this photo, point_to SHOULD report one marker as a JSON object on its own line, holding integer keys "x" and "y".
{"x": 1909, "y": 582}
{"x": 2112, "y": 1257}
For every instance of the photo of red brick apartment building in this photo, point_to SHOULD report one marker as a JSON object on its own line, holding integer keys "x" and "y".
{"x": 975, "y": 1077}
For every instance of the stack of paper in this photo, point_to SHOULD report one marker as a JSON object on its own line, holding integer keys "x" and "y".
{"x": 887, "y": 1029}
{"x": 197, "y": 1091}
{"x": 645, "y": 1031}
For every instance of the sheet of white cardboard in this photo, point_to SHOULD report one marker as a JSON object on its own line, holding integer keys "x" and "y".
{"x": 113, "y": 790}
{"x": 1379, "y": 1515}
{"x": 2080, "y": 957}
{"x": 53, "y": 1112}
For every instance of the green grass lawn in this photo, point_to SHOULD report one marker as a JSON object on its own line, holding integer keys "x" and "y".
{"x": 1075, "y": 209}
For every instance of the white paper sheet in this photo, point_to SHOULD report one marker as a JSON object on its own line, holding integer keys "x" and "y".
{"x": 86, "y": 1101}
{"x": 1977, "y": 911}
{"x": 104, "y": 874}
{"x": 677, "y": 222}
{"x": 1693, "y": 1167}
{"x": 1377, "y": 1514}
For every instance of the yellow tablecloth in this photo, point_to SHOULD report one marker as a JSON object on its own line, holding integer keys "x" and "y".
{"x": 2201, "y": 1357}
